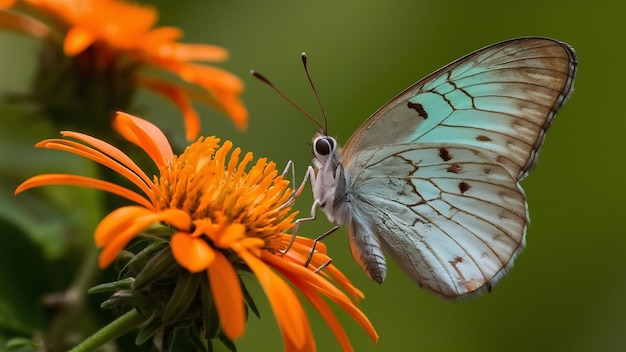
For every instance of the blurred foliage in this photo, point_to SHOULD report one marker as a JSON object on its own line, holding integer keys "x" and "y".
{"x": 566, "y": 291}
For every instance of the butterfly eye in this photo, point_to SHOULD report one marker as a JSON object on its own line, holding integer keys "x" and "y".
{"x": 324, "y": 145}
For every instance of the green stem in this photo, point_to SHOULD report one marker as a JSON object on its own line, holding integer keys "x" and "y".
{"x": 74, "y": 298}
{"x": 115, "y": 329}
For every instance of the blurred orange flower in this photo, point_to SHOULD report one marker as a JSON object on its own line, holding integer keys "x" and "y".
{"x": 222, "y": 216}
{"x": 124, "y": 31}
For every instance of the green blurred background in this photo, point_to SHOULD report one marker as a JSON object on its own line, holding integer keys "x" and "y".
{"x": 566, "y": 291}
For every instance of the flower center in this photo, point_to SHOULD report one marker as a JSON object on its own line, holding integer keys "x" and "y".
{"x": 211, "y": 182}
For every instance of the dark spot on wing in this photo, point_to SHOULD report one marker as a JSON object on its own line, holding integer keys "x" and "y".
{"x": 455, "y": 168}
{"x": 419, "y": 108}
{"x": 444, "y": 154}
{"x": 464, "y": 187}
{"x": 483, "y": 138}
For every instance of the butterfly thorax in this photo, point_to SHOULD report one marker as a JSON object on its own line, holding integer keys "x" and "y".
{"x": 331, "y": 189}
{"x": 329, "y": 183}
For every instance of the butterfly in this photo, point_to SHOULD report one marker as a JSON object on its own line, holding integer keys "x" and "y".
{"x": 432, "y": 177}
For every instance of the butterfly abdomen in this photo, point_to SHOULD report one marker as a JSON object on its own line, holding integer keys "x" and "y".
{"x": 366, "y": 247}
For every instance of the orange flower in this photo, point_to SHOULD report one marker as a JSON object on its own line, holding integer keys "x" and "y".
{"x": 222, "y": 215}
{"x": 121, "y": 31}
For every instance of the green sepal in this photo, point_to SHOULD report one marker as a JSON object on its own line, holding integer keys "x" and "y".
{"x": 140, "y": 259}
{"x": 249, "y": 300}
{"x": 158, "y": 266}
{"x": 158, "y": 232}
{"x": 227, "y": 342}
{"x": 147, "y": 331}
{"x": 210, "y": 319}
{"x": 200, "y": 342}
{"x": 119, "y": 298}
{"x": 122, "y": 260}
{"x": 124, "y": 284}
{"x": 184, "y": 294}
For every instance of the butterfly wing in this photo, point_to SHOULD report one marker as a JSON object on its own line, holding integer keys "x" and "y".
{"x": 450, "y": 216}
{"x": 500, "y": 99}
{"x": 433, "y": 175}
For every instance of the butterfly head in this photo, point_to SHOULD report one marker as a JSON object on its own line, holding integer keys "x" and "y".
{"x": 325, "y": 148}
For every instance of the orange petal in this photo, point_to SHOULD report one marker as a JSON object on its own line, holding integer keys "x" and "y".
{"x": 234, "y": 108}
{"x": 104, "y": 154}
{"x": 120, "y": 219}
{"x": 7, "y": 3}
{"x": 121, "y": 225}
{"x": 322, "y": 307}
{"x": 337, "y": 276}
{"x": 161, "y": 35}
{"x": 177, "y": 218}
{"x": 105, "y": 148}
{"x": 223, "y": 86}
{"x": 179, "y": 97}
{"x": 116, "y": 222}
{"x": 74, "y": 180}
{"x": 210, "y": 77}
{"x": 290, "y": 345}
{"x": 230, "y": 234}
{"x": 293, "y": 322}
{"x": 113, "y": 248}
{"x": 198, "y": 52}
{"x": 299, "y": 253}
{"x": 21, "y": 23}
{"x": 145, "y": 135}
{"x": 77, "y": 40}
{"x": 304, "y": 244}
{"x": 295, "y": 272}
{"x": 192, "y": 253}
{"x": 228, "y": 297}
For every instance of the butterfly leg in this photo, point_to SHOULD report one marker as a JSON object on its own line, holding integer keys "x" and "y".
{"x": 290, "y": 165}
{"x": 296, "y": 191}
{"x": 309, "y": 174}
{"x": 315, "y": 241}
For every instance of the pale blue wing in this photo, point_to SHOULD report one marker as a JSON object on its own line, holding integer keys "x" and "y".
{"x": 450, "y": 216}
{"x": 500, "y": 99}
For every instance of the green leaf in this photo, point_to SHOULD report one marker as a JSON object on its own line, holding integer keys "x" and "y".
{"x": 20, "y": 344}
{"x": 56, "y": 217}
{"x": 23, "y": 282}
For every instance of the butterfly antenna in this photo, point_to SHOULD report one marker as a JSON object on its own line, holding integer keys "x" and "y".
{"x": 317, "y": 97}
{"x": 269, "y": 83}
